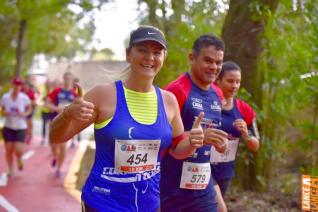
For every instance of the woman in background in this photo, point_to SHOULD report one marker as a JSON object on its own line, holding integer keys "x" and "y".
{"x": 239, "y": 121}
{"x": 16, "y": 106}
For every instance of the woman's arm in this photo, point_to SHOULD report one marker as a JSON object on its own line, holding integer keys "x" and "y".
{"x": 27, "y": 112}
{"x": 184, "y": 144}
{"x": 252, "y": 143}
{"x": 192, "y": 140}
{"x": 250, "y": 135}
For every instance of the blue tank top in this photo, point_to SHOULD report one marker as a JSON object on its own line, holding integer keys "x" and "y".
{"x": 226, "y": 170}
{"x": 198, "y": 100}
{"x": 110, "y": 189}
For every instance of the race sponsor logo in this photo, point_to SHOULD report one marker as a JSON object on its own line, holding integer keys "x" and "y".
{"x": 207, "y": 152}
{"x": 110, "y": 173}
{"x": 209, "y": 123}
{"x": 197, "y": 103}
{"x": 215, "y": 106}
{"x": 128, "y": 148}
{"x": 194, "y": 155}
{"x": 101, "y": 190}
{"x": 309, "y": 193}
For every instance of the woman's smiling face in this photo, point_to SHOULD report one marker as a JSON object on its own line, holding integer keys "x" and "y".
{"x": 146, "y": 58}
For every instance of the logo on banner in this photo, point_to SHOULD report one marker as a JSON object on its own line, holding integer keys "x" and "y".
{"x": 309, "y": 193}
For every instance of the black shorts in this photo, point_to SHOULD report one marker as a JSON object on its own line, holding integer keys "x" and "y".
{"x": 47, "y": 116}
{"x": 31, "y": 114}
{"x": 10, "y": 135}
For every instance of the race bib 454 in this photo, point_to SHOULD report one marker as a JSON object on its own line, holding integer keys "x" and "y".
{"x": 135, "y": 156}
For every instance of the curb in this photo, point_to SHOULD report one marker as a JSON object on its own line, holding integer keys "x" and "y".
{"x": 71, "y": 176}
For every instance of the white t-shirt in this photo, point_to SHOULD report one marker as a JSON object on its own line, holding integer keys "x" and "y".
{"x": 14, "y": 120}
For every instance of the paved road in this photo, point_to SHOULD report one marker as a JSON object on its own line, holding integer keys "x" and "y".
{"x": 36, "y": 188}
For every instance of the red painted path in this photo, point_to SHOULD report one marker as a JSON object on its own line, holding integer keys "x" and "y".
{"x": 36, "y": 188}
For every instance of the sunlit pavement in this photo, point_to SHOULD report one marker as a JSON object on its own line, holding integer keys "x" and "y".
{"x": 36, "y": 188}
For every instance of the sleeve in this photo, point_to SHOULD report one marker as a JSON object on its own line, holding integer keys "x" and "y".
{"x": 247, "y": 112}
{"x": 178, "y": 93}
{"x": 31, "y": 95}
{"x": 73, "y": 91}
{"x": 53, "y": 95}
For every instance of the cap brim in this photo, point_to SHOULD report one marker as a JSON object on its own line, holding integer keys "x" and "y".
{"x": 150, "y": 39}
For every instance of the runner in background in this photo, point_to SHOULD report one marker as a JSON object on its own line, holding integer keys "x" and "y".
{"x": 187, "y": 185}
{"x": 134, "y": 122}
{"x": 33, "y": 93}
{"x": 46, "y": 114}
{"x": 16, "y": 106}
{"x": 57, "y": 100}
{"x": 239, "y": 121}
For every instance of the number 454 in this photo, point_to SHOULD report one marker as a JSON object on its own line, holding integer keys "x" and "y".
{"x": 137, "y": 159}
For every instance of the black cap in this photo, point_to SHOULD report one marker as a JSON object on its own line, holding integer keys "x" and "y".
{"x": 146, "y": 33}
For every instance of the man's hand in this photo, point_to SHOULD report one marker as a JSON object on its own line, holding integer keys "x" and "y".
{"x": 196, "y": 135}
{"x": 217, "y": 138}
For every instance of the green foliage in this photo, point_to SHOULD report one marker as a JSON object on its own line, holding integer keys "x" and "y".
{"x": 290, "y": 51}
{"x": 103, "y": 54}
{"x": 188, "y": 21}
{"x": 53, "y": 28}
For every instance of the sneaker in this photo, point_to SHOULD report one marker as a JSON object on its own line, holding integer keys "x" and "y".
{"x": 53, "y": 163}
{"x": 58, "y": 173}
{"x": 20, "y": 164}
{"x": 10, "y": 173}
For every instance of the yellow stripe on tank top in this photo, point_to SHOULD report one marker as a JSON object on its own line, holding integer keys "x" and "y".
{"x": 143, "y": 107}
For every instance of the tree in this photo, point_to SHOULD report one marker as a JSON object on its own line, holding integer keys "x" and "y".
{"x": 184, "y": 22}
{"x": 243, "y": 33}
{"x": 50, "y": 27}
{"x": 275, "y": 43}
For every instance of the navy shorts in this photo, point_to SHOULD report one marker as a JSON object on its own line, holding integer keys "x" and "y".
{"x": 10, "y": 135}
{"x": 183, "y": 203}
{"x": 223, "y": 184}
{"x": 86, "y": 208}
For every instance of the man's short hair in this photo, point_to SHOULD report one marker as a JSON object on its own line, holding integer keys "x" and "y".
{"x": 207, "y": 40}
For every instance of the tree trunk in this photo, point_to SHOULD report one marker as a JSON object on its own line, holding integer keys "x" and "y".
{"x": 242, "y": 33}
{"x": 20, "y": 47}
